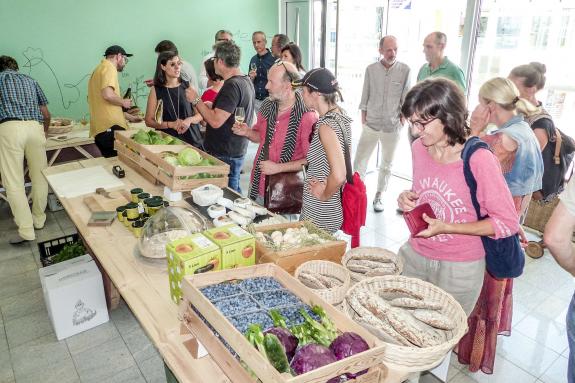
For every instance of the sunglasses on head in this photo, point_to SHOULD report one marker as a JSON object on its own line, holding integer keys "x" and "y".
{"x": 290, "y": 75}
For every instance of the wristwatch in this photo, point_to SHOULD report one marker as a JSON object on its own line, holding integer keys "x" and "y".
{"x": 196, "y": 100}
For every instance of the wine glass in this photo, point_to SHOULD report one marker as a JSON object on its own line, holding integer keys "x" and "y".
{"x": 240, "y": 115}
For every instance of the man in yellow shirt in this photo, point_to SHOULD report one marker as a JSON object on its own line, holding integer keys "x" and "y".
{"x": 106, "y": 114}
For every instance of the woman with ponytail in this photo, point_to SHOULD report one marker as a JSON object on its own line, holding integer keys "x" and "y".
{"x": 517, "y": 149}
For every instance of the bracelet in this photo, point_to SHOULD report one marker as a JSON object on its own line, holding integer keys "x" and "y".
{"x": 196, "y": 100}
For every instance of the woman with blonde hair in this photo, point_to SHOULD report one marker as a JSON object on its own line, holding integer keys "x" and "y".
{"x": 517, "y": 149}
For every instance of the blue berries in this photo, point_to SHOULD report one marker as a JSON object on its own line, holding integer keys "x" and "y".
{"x": 258, "y": 284}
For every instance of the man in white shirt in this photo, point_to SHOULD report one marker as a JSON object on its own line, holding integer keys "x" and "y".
{"x": 187, "y": 72}
{"x": 385, "y": 85}
{"x": 221, "y": 35}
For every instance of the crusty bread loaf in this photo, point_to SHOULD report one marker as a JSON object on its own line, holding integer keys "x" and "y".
{"x": 381, "y": 325}
{"x": 434, "y": 319}
{"x": 390, "y": 293}
{"x": 411, "y": 303}
{"x": 413, "y": 330}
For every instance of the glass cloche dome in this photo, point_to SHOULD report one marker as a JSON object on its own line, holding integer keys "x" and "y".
{"x": 168, "y": 224}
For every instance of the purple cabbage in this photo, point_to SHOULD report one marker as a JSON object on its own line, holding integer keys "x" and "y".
{"x": 346, "y": 345}
{"x": 310, "y": 357}
{"x": 286, "y": 338}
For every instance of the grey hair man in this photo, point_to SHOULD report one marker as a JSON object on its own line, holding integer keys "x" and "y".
{"x": 438, "y": 65}
{"x": 385, "y": 85}
{"x": 220, "y": 36}
{"x": 237, "y": 92}
{"x": 278, "y": 42}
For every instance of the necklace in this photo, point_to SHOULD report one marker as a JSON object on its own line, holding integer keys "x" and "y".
{"x": 177, "y": 100}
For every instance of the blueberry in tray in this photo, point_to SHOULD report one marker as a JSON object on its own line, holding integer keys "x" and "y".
{"x": 236, "y": 305}
{"x": 259, "y": 284}
{"x": 276, "y": 298}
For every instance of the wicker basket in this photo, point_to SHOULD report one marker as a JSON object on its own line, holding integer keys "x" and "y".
{"x": 334, "y": 295}
{"x": 414, "y": 358}
{"x": 356, "y": 277}
{"x": 64, "y": 125}
{"x": 539, "y": 213}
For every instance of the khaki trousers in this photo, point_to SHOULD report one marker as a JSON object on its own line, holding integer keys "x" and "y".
{"x": 463, "y": 280}
{"x": 367, "y": 142}
{"x": 19, "y": 139}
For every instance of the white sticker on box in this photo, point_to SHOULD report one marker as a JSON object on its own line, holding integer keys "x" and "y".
{"x": 140, "y": 208}
{"x": 238, "y": 231}
{"x": 202, "y": 242}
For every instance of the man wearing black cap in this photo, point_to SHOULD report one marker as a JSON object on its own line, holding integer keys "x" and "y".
{"x": 105, "y": 102}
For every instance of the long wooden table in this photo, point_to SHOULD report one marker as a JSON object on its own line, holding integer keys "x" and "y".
{"x": 141, "y": 282}
{"x": 144, "y": 284}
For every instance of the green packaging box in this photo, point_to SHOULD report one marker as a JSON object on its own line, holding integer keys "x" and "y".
{"x": 237, "y": 246}
{"x": 190, "y": 255}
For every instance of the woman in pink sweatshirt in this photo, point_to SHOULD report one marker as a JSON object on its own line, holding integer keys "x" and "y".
{"x": 449, "y": 253}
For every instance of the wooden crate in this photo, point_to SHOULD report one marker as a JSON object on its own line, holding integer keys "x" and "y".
{"x": 257, "y": 363}
{"x": 290, "y": 259}
{"x": 148, "y": 158}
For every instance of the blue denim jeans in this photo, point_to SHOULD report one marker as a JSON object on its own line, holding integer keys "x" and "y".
{"x": 236, "y": 164}
{"x": 571, "y": 337}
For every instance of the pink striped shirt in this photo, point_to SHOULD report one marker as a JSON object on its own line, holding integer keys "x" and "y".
{"x": 443, "y": 187}
{"x": 307, "y": 121}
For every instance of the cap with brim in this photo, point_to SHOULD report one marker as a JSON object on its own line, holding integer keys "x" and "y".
{"x": 320, "y": 80}
{"x": 115, "y": 49}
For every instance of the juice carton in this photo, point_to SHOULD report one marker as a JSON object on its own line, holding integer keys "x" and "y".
{"x": 190, "y": 255}
{"x": 237, "y": 245}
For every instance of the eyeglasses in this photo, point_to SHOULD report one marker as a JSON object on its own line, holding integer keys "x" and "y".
{"x": 420, "y": 125}
{"x": 289, "y": 74}
{"x": 125, "y": 59}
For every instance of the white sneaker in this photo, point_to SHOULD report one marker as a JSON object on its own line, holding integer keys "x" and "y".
{"x": 378, "y": 205}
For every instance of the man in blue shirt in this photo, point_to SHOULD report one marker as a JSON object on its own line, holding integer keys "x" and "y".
{"x": 260, "y": 63}
{"x": 24, "y": 118}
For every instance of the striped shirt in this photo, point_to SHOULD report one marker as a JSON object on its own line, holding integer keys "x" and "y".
{"x": 20, "y": 97}
{"x": 327, "y": 215}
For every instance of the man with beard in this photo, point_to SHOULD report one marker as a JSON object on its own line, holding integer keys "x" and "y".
{"x": 284, "y": 118}
{"x": 106, "y": 114}
{"x": 385, "y": 85}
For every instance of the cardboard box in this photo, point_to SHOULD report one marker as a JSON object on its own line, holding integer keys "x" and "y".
{"x": 190, "y": 255}
{"x": 74, "y": 295}
{"x": 237, "y": 245}
{"x": 290, "y": 259}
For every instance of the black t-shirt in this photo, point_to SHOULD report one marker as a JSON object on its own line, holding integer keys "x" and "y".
{"x": 237, "y": 91}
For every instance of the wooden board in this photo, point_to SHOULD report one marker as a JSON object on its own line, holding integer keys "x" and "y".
{"x": 256, "y": 361}
{"x": 98, "y": 202}
{"x": 289, "y": 260}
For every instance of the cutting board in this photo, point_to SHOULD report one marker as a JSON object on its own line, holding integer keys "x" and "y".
{"x": 98, "y": 202}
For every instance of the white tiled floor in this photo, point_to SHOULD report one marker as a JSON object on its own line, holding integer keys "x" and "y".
{"x": 119, "y": 351}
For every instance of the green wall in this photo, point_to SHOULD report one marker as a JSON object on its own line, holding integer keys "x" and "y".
{"x": 60, "y": 42}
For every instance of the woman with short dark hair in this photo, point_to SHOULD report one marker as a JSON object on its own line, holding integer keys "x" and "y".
{"x": 215, "y": 82}
{"x": 449, "y": 253}
{"x": 178, "y": 118}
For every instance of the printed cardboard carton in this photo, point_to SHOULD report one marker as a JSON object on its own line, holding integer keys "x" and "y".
{"x": 237, "y": 245}
{"x": 190, "y": 255}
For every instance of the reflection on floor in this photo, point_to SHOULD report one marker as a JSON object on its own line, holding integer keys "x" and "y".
{"x": 120, "y": 351}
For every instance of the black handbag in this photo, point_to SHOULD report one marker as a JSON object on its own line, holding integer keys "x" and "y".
{"x": 504, "y": 257}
